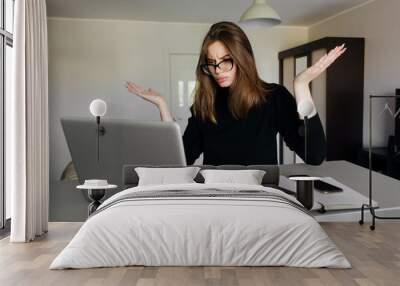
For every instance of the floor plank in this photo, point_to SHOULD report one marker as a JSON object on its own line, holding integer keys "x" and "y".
{"x": 374, "y": 255}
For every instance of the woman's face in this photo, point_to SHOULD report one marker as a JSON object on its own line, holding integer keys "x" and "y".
{"x": 224, "y": 75}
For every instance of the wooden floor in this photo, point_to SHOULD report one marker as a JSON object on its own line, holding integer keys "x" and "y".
{"x": 374, "y": 255}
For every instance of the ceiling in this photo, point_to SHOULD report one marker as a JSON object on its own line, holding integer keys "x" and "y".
{"x": 292, "y": 12}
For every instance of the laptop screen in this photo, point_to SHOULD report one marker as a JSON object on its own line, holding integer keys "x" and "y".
{"x": 125, "y": 141}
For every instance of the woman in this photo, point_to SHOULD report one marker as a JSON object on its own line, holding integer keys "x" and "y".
{"x": 235, "y": 115}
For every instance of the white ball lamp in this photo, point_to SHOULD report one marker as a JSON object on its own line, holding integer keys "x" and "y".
{"x": 306, "y": 109}
{"x": 98, "y": 108}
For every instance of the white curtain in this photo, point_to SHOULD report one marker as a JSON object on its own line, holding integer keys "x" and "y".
{"x": 27, "y": 123}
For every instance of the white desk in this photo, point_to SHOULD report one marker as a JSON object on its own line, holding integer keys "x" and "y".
{"x": 386, "y": 190}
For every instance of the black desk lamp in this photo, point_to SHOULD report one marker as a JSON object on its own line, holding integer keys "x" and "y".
{"x": 304, "y": 185}
{"x": 98, "y": 108}
{"x": 305, "y": 108}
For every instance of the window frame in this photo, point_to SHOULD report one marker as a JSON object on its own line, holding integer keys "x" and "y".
{"x": 6, "y": 39}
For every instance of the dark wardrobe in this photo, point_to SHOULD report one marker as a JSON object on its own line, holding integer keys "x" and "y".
{"x": 337, "y": 93}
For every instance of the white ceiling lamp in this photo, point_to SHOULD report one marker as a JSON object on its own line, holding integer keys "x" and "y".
{"x": 260, "y": 14}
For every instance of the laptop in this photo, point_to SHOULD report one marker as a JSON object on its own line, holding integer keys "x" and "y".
{"x": 125, "y": 141}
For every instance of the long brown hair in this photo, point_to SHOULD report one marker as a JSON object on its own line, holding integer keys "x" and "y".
{"x": 246, "y": 90}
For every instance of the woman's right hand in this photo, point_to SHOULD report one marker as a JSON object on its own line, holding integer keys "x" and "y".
{"x": 149, "y": 94}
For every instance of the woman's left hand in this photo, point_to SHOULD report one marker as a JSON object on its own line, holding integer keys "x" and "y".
{"x": 323, "y": 63}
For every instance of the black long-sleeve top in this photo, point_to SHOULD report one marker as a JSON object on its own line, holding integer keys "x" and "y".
{"x": 252, "y": 140}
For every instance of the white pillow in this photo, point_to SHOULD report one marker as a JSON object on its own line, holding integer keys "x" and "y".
{"x": 166, "y": 175}
{"x": 249, "y": 177}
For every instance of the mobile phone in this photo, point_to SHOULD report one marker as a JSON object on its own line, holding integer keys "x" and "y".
{"x": 326, "y": 187}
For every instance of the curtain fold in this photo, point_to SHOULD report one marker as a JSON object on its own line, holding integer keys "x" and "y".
{"x": 28, "y": 123}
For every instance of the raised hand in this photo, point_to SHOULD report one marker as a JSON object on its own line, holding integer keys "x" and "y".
{"x": 323, "y": 63}
{"x": 149, "y": 94}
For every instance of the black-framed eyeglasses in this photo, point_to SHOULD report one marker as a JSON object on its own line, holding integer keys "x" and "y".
{"x": 224, "y": 66}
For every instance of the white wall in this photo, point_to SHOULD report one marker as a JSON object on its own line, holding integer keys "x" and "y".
{"x": 379, "y": 23}
{"x": 91, "y": 59}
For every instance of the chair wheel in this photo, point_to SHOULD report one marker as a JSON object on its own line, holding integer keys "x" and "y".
{"x": 372, "y": 227}
{"x": 361, "y": 222}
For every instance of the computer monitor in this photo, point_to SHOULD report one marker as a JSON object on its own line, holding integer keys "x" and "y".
{"x": 125, "y": 141}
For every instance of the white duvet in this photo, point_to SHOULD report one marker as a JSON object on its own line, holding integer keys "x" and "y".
{"x": 200, "y": 231}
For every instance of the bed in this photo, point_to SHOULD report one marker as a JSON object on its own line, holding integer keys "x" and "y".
{"x": 201, "y": 224}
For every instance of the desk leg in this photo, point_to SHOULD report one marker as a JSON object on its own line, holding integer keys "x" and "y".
{"x": 305, "y": 193}
{"x": 95, "y": 195}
